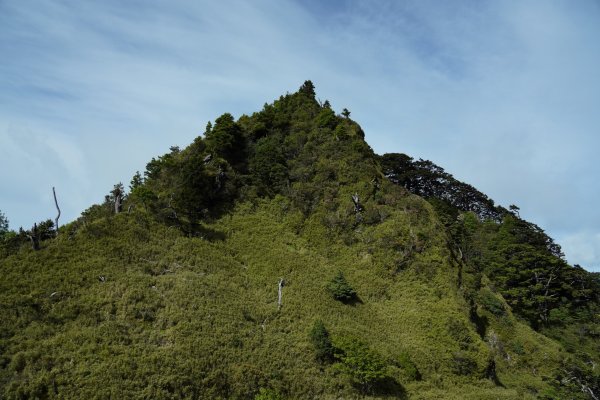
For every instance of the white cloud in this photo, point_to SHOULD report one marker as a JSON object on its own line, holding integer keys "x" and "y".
{"x": 583, "y": 246}
{"x": 502, "y": 95}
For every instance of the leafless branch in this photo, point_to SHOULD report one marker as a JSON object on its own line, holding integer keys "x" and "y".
{"x": 57, "y": 208}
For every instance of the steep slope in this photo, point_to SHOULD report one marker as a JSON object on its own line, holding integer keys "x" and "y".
{"x": 178, "y": 297}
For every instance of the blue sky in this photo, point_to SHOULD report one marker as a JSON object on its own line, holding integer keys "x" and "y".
{"x": 502, "y": 94}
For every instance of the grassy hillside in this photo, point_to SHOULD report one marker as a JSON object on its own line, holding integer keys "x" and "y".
{"x": 176, "y": 296}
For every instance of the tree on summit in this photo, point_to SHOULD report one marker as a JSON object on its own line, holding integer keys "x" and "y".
{"x": 308, "y": 88}
{"x": 226, "y": 140}
{"x": 3, "y": 225}
{"x": 136, "y": 181}
{"x": 117, "y": 196}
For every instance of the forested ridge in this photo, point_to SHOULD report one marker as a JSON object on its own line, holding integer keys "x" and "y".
{"x": 278, "y": 257}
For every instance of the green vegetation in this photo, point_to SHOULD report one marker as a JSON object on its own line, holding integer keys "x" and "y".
{"x": 3, "y": 225}
{"x": 171, "y": 290}
{"x": 340, "y": 289}
{"x": 267, "y": 394}
{"x": 364, "y": 366}
{"x": 319, "y": 337}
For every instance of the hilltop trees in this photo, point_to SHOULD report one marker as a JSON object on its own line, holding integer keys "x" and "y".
{"x": 11, "y": 241}
{"x": 116, "y": 197}
{"x": 3, "y": 225}
{"x": 290, "y": 191}
{"x": 136, "y": 181}
{"x": 268, "y": 166}
{"x": 308, "y": 89}
{"x": 225, "y": 139}
{"x": 186, "y": 186}
{"x": 429, "y": 180}
{"x": 527, "y": 267}
{"x": 140, "y": 193}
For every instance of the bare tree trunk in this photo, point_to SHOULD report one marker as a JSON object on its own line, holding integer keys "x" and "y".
{"x": 117, "y": 203}
{"x": 170, "y": 207}
{"x": 34, "y": 237}
{"x": 356, "y": 201}
{"x": 590, "y": 392}
{"x": 57, "y": 208}
{"x": 280, "y": 287}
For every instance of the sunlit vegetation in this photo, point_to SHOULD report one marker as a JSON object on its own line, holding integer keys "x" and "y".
{"x": 397, "y": 281}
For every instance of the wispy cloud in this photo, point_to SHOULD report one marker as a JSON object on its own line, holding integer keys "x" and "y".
{"x": 502, "y": 94}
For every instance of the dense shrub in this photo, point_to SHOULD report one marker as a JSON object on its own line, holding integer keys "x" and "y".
{"x": 319, "y": 337}
{"x": 340, "y": 289}
{"x": 268, "y": 394}
{"x": 491, "y": 303}
{"x": 365, "y": 368}
{"x": 409, "y": 368}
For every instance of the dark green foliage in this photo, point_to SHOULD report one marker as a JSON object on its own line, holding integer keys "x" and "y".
{"x": 46, "y": 230}
{"x": 193, "y": 186}
{"x": 136, "y": 181}
{"x": 12, "y": 241}
{"x": 428, "y": 180}
{"x": 365, "y": 367}
{"x": 142, "y": 194}
{"x": 533, "y": 280}
{"x": 409, "y": 368}
{"x": 491, "y": 303}
{"x": 184, "y": 187}
{"x": 464, "y": 364}
{"x": 319, "y": 337}
{"x": 268, "y": 166}
{"x": 308, "y": 89}
{"x": 3, "y": 225}
{"x": 461, "y": 333}
{"x": 116, "y": 197}
{"x": 327, "y": 119}
{"x": 525, "y": 263}
{"x": 226, "y": 140}
{"x": 340, "y": 289}
{"x": 577, "y": 378}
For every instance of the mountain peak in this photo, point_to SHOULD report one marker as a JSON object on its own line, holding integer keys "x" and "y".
{"x": 277, "y": 256}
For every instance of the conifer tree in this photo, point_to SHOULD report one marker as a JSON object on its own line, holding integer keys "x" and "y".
{"x": 340, "y": 289}
{"x": 319, "y": 337}
{"x": 308, "y": 88}
{"x": 3, "y": 225}
{"x": 226, "y": 140}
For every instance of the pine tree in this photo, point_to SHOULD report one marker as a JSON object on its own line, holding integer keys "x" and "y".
{"x": 319, "y": 337}
{"x": 3, "y": 225}
{"x": 341, "y": 289}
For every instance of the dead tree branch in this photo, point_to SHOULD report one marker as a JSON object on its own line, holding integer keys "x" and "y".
{"x": 34, "y": 237}
{"x": 280, "y": 287}
{"x": 57, "y": 209}
{"x": 356, "y": 200}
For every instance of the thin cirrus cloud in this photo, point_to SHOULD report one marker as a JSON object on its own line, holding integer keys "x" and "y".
{"x": 501, "y": 94}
